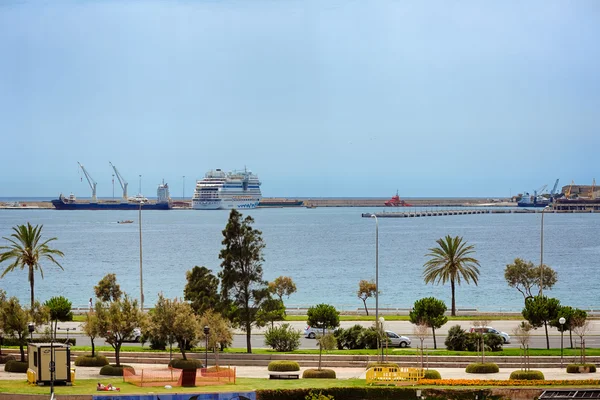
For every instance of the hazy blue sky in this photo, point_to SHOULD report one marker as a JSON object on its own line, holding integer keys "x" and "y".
{"x": 319, "y": 98}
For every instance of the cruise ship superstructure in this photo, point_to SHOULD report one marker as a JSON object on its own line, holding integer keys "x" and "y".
{"x": 221, "y": 190}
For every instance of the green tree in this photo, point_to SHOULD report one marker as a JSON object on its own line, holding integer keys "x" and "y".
{"x": 283, "y": 338}
{"x": 431, "y": 312}
{"x": 451, "y": 261}
{"x": 282, "y": 286}
{"x": 524, "y": 276}
{"x": 173, "y": 320}
{"x": 14, "y": 321}
{"x": 366, "y": 289}
{"x": 323, "y": 316}
{"x": 539, "y": 311}
{"x": 572, "y": 317}
{"x": 271, "y": 310}
{"x": 201, "y": 290}
{"x": 117, "y": 320}
{"x": 220, "y": 332}
{"x": 108, "y": 289}
{"x": 241, "y": 273}
{"x": 27, "y": 249}
{"x": 60, "y": 310}
{"x": 91, "y": 328}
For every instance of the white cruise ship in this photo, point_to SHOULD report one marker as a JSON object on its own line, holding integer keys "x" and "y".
{"x": 221, "y": 190}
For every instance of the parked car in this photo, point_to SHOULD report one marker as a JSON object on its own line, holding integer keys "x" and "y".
{"x": 135, "y": 336}
{"x": 397, "y": 340}
{"x": 488, "y": 329}
{"x": 311, "y": 332}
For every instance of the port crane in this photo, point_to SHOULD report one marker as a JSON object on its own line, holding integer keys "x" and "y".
{"x": 91, "y": 182}
{"x": 553, "y": 192}
{"x": 122, "y": 182}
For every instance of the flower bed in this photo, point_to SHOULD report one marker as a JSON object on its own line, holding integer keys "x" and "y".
{"x": 495, "y": 382}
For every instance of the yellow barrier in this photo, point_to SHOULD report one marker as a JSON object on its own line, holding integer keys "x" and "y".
{"x": 31, "y": 376}
{"x": 393, "y": 375}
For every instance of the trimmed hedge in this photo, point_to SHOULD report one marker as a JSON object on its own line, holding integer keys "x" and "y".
{"x": 372, "y": 364}
{"x": 217, "y": 369}
{"x": 482, "y": 368}
{"x": 319, "y": 374}
{"x": 532, "y": 375}
{"x": 4, "y": 358}
{"x": 432, "y": 374}
{"x": 89, "y": 361}
{"x": 283, "y": 366}
{"x": 581, "y": 368}
{"x": 374, "y": 393}
{"x": 191, "y": 363}
{"x": 113, "y": 370}
{"x": 16, "y": 366}
{"x": 11, "y": 341}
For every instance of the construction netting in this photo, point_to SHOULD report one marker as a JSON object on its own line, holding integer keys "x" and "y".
{"x": 174, "y": 376}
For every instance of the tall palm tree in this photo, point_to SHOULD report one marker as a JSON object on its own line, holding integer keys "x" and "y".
{"x": 27, "y": 250}
{"x": 451, "y": 261}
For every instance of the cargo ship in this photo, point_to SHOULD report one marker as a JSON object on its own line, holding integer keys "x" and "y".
{"x": 163, "y": 202}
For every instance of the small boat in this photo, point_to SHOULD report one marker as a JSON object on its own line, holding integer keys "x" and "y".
{"x": 396, "y": 202}
{"x": 127, "y": 221}
{"x": 311, "y": 206}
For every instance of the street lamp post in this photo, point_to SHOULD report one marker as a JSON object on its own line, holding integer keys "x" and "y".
{"x": 141, "y": 275}
{"x": 376, "y": 274}
{"x": 542, "y": 254}
{"x": 206, "y": 332}
{"x": 562, "y": 321}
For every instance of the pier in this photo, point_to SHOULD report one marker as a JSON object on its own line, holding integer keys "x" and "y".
{"x": 439, "y": 213}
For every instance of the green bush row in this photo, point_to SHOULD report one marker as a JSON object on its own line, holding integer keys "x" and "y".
{"x": 11, "y": 341}
{"x": 89, "y": 361}
{"x": 4, "y": 358}
{"x": 283, "y": 365}
{"x": 319, "y": 374}
{"x": 356, "y": 337}
{"x": 16, "y": 366}
{"x": 578, "y": 368}
{"x": 482, "y": 368}
{"x": 460, "y": 340}
{"x": 186, "y": 364}
{"x": 532, "y": 375}
{"x": 113, "y": 370}
{"x": 375, "y": 393}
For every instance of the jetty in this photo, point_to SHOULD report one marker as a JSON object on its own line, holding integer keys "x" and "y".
{"x": 472, "y": 211}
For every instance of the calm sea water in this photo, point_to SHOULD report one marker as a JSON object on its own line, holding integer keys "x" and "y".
{"x": 325, "y": 250}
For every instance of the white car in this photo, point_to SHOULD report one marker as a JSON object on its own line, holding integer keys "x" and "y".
{"x": 488, "y": 329}
{"x": 397, "y": 340}
{"x": 311, "y": 332}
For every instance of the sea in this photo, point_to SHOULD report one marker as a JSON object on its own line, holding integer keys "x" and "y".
{"x": 326, "y": 251}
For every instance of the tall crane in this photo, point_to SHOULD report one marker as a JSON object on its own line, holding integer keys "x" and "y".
{"x": 554, "y": 189}
{"x": 91, "y": 182}
{"x": 122, "y": 182}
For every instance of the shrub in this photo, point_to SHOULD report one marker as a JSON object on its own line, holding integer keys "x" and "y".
{"x": 456, "y": 339}
{"x": 493, "y": 342}
{"x": 432, "y": 374}
{"x": 4, "y": 358}
{"x": 367, "y": 338}
{"x": 283, "y": 366}
{"x": 372, "y": 364}
{"x": 89, "y": 361}
{"x": 315, "y": 373}
{"x": 473, "y": 342}
{"x": 283, "y": 338}
{"x": 114, "y": 370}
{"x": 185, "y": 364}
{"x": 580, "y": 368}
{"x": 349, "y": 338}
{"x": 531, "y": 375}
{"x": 216, "y": 368}
{"x": 156, "y": 343}
{"x": 318, "y": 396}
{"x": 16, "y": 366}
{"x": 482, "y": 368}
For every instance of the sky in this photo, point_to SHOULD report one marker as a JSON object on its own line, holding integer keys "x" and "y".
{"x": 319, "y": 98}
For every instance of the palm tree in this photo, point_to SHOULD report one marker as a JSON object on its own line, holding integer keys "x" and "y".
{"x": 26, "y": 250}
{"x": 451, "y": 262}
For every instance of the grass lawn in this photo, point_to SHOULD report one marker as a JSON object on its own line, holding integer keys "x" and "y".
{"x": 371, "y": 318}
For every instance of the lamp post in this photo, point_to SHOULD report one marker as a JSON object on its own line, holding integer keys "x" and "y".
{"x": 542, "y": 253}
{"x": 376, "y": 274}
{"x": 206, "y": 332}
{"x": 562, "y": 321}
{"x": 141, "y": 275}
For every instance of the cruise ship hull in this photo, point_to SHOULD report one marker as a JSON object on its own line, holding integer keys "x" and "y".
{"x": 61, "y": 205}
{"x": 221, "y": 204}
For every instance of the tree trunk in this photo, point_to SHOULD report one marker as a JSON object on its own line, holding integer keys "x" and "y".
{"x": 434, "y": 343}
{"x": 93, "y": 348}
{"x": 182, "y": 345}
{"x": 31, "y": 284}
{"x": 547, "y": 338}
{"x": 453, "y": 313}
{"x": 320, "y": 352}
{"x": 571, "y": 337}
{"x": 248, "y": 337}
{"x": 21, "y": 348}
{"x": 366, "y": 309}
{"x": 117, "y": 354}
